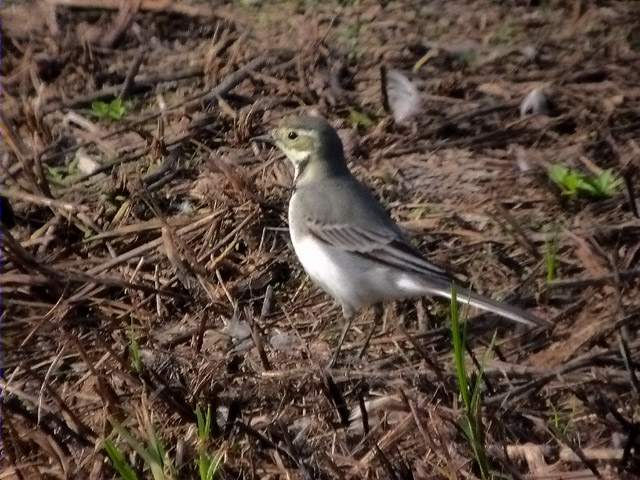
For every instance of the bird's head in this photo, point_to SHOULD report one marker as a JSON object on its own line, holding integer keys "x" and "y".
{"x": 311, "y": 144}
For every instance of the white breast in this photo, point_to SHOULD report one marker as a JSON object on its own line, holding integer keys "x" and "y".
{"x": 318, "y": 264}
{"x": 352, "y": 281}
{"x": 316, "y": 259}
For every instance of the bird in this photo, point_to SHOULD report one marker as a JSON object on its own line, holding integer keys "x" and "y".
{"x": 344, "y": 238}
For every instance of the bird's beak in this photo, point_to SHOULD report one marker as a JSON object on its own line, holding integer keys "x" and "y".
{"x": 266, "y": 138}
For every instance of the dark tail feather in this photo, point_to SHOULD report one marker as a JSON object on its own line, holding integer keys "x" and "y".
{"x": 466, "y": 296}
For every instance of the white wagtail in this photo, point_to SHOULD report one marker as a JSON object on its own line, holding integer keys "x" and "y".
{"x": 346, "y": 241}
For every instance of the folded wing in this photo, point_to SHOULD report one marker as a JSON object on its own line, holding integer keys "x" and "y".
{"x": 379, "y": 245}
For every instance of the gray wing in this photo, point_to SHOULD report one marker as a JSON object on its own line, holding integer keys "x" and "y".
{"x": 380, "y": 245}
{"x": 369, "y": 232}
{"x": 350, "y": 218}
{"x": 385, "y": 247}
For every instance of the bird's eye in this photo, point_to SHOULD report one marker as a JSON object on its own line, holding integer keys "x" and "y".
{"x": 292, "y": 135}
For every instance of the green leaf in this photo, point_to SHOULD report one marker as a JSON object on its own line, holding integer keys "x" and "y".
{"x": 147, "y": 454}
{"x": 203, "y": 465}
{"x": 607, "y": 184}
{"x": 119, "y": 461}
{"x": 208, "y": 465}
{"x": 469, "y": 389}
{"x": 458, "y": 349}
{"x": 100, "y": 109}
{"x": 116, "y": 109}
{"x": 56, "y": 174}
{"x": 557, "y": 173}
{"x": 204, "y": 423}
{"x": 213, "y": 466}
{"x": 574, "y": 183}
{"x": 153, "y": 453}
{"x": 359, "y": 119}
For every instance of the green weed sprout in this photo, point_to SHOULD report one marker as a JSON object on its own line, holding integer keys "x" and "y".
{"x": 574, "y": 183}
{"x": 469, "y": 390}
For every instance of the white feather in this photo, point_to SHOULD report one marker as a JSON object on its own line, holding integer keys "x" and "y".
{"x": 352, "y": 282}
{"x": 403, "y": 96}
{"x": 535, "y": 103}
{"x": 296, "y": 157}
{"x": 318, "y": 263}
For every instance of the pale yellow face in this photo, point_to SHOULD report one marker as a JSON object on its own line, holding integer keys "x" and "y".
{"x": 312, "y": 145}
{"x": 296, "y": 143}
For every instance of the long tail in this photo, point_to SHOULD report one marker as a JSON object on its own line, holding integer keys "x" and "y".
{"x": 465, "y": 296}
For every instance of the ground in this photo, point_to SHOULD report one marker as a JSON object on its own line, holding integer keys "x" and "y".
{"x": 148, "y": 275}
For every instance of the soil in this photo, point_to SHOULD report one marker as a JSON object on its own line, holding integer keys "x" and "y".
{"x": 148, "y": 274}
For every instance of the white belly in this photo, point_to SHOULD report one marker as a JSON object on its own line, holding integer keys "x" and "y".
{"x": 319, "y": 264}
{"x": 352, "y": 281}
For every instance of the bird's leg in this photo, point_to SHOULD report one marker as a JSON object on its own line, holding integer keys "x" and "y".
{"x": 378, "y": 314}
{"x": 348, "y": 315}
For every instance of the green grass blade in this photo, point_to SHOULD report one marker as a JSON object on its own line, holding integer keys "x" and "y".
{"x": 574, "y": 183}
{"x": 213, "y": 466}
{"x": 471, "y": 397}
{"x": 208, "y": 465}
{"x": 119, "y": 462}
{"x": 458, "y": 349}
{"x": 204, "y": 463}
{"x": 153, "y": 455}
{"x": 203, "y": 423}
